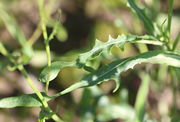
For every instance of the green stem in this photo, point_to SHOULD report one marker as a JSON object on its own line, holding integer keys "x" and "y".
{"x": 142, "y": 97}
{"x": 46, "y": 40}
{"x": 174, "y": 86}
{"x": 41, "y": 120}
{"x": 71, "y": 88}
{"x": 30, "y": 83}
{"x": 38, "y": 93}
{"x": 56, "y": 118}
{"x": 49, "y": 64}
{"x": 36, "y": 34}
{"x": 170, "y": 10}
{"x": 168, "y": 47}
{"x": 176, "y": 42}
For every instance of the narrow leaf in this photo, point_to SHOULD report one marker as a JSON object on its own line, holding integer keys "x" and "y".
{"x": 142, "y": 97}
{"x": 120, "y": 41}
{"x": 26, "y": 100}
{"x": 170, "y": 12}
{"x": 12, "y": 27}
{"x": 17, "y": 34}
{"x": 175, "y": 44}
{"x": 142, "y": 16}
{"x": 113, "y": 70}
{"x": 97, "y": 49}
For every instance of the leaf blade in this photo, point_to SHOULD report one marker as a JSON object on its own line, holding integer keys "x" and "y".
{"x": 53, "y": 70}
{"x": 17, "y": 34}
{"x": 26, "y": 100}
{"x": 12, "y": 27}
{"x": 97, "y": 49}
{"x": 142, "y": 97}
{"x": 120, "y": 41}
{"x": 147, "y": 23}
{"x": 119, "y": 66}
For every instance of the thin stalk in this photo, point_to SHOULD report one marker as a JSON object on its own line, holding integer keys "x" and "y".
{"x": 176, "y": 42}
{"x": 56, "y": 118}
{"x": 45, "y": 35}
{"x": 5, "y": 52}
{"x": 170, "y": 11}
{"x": 35, "y": 35}
{"x": 49, "y": 64}
{"x": 38, "y": 93}
{"x": 30, "y": 83}
{"x": 46, "y": 40}
{"x": 69, "y": 89}
{"x": 41, "y": 120}
{"x": 168, "y": 47}
{"x": 142, "y": 48}
{"x": 174, "y": 85}
{"x": 142, "y": 97}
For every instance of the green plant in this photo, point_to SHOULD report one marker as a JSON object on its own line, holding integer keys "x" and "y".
{"x": 165, "y": 53}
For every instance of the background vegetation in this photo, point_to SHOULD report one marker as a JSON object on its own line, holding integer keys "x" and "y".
{"x": 73, "y": 26}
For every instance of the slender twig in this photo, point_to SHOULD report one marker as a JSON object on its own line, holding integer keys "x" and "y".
{"x": 30, "y": 83}
{"x": 35, "y": 35}
{"x": 38, "y": 93}
{"x": 174, "y": 86}
{"x": 176, "y": 42}
{"x": 49, "y": 64}
{"x": 46, "y": 40}
{"x": 170, "y": 11}
{"x": 142, "y": 97}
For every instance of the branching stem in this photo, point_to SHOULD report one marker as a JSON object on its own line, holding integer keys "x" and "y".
{"x": 38, "y": 93}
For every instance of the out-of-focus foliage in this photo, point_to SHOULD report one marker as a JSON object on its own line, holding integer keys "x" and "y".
{"x": 71, "y": 45}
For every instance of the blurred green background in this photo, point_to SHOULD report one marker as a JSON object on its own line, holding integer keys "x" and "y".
{"x": 83, "y": 21}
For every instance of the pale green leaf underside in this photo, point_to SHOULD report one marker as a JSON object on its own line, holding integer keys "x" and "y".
{"x": 26, "y": 100}
{"x": 53, "y": 70}
{"x": 112, "y": 70}
{"x": 120, "y": 41}
{"x": 97, "y": 49}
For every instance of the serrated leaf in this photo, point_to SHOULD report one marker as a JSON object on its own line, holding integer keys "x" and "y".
{"x": 98, "y": 48}
{"x": 112, "y": 70}
{"x": 53, "y": 70}
{"x": 26, "y": 100}
{"x": 120, "y": 41}
{"x": 142, "y": 16}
